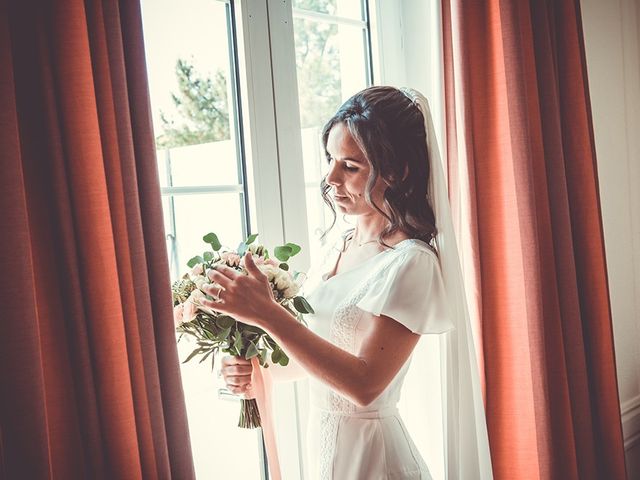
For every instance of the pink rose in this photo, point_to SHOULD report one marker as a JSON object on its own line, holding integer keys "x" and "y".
{"x": 272, "y": 261}
{"x": 197, "y": 270}
{"x": 178, "y": 313}
{"x": 230, "y": 258}
{"x": 193, "y": 304}
{"x": 262, "y": 261}
{"x": 190, "y": 308}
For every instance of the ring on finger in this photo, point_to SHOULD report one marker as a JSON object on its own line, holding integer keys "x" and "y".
{"x": 217, "y": 295}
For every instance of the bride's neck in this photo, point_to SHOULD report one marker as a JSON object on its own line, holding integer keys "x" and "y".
{"x": 368, "y": 228}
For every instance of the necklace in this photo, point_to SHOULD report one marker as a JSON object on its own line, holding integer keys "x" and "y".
{"x": 359, "y": 244}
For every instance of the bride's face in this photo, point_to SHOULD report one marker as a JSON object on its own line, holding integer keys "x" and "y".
{"x": 348, "y": 173}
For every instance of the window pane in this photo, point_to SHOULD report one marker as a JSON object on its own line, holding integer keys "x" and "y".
{"x": 342, "y": 8}
{"x": 331, "y": 66}
{"x": 190, "y": 89}
{"x": 220, "y": 448}
{"x": 212, "y": 163}
{"x": 193, "y": 101}
{"x": 199, "y": 214}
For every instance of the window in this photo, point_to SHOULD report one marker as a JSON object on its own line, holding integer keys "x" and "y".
{"x": 191, "y": 62}
{"x": 230, "y": 137}
{"x": 240, "y": 90}
{"x": 332, "y": 62}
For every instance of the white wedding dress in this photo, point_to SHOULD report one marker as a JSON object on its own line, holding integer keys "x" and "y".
{"x": 345, "y": 441}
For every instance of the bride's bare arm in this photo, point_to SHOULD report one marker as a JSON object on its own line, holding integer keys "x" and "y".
{"x": 362, "y": 377}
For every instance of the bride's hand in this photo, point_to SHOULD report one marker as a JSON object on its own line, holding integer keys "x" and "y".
{"x": 244, "y": 297}
{"x": 237, "y": 375}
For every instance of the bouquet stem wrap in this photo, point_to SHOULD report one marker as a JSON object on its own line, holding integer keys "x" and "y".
{"x": 261, "y": 388}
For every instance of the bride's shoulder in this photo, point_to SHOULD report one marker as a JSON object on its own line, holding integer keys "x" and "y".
{"x": 416, "y": 246}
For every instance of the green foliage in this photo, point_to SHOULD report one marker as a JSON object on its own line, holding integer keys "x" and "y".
{"x": 251, "y": 238}
{"x": 301, "y": 305}
{"x": 218, "y": 332}
{"x": 318, "y": 65}
{"x": 202, "y": 106}
{"x": 212, "y": 239}
{"x": 252, "y": 350}
{"x": 194, "y": 261}
{"x": 284, "y": 252}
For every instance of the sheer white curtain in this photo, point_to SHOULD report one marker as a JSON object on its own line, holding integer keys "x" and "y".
{"x": 443, "y": 393}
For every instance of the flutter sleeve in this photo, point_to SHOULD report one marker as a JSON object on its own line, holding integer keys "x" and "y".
{"x": 411, "y": 291}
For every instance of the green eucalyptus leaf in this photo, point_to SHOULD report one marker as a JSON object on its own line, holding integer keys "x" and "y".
{"x": 308, "y": 305}
{"x": 212, "y": 239}
{"x": 284, "y": 360}
{"x": 225, "y": 321}
{"x": 223, "y": 335}
{"x": 301, "y": 305}
{"x": 276, "y": 355}
{"x": 284, "y": 266}
{"x": 194, "y": 261}
{"x": 252, "y": 351}
{"x": 242, "y": 248}
{"x": 252, "y": 330}
{"x": 295, "y": 249}
{"x": 282, "y": 253}
{"x": 208, "y": 256}
{"x": 251, "y": 238}
{"x": 237, "y": 342}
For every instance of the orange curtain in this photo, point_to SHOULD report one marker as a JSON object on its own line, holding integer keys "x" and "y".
{"x": 522, "y": 159}
{"x": 88, "y": 363}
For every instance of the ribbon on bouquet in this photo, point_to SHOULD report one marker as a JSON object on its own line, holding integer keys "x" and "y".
{"x": 261, "y": 389}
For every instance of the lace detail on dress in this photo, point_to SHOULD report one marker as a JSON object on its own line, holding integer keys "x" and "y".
{"x": 328, "y": 435}
{"x": 342, "y": 333}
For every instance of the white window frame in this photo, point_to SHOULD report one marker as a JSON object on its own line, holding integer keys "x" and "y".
{"x": 272, "y": 135}
{"x": 272, "y": 142}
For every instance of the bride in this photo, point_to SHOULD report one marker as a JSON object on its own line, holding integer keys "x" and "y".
{"x": 383, "y": 284}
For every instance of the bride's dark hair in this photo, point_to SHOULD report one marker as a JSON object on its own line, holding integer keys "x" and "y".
{"x": 389, "y": 129}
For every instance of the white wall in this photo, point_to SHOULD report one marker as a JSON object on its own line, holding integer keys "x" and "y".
{"x": 613, "y": 63}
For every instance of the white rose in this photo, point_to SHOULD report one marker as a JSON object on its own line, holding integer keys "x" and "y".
{"x": 200, "y": 281}
{"x": 291, "y": 291}
{"x": 269, "y": 270}
{"x": 196, "y": 299}
{"x": 282, "y": 280}
{"x": 197, "y": 269}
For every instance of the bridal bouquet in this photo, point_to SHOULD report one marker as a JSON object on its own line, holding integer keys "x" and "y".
{"x": 214, "y": 331}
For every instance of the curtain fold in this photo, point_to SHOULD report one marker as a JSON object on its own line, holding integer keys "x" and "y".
{"x": 90, "y": 374}
{"x": 521, "y": 154}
